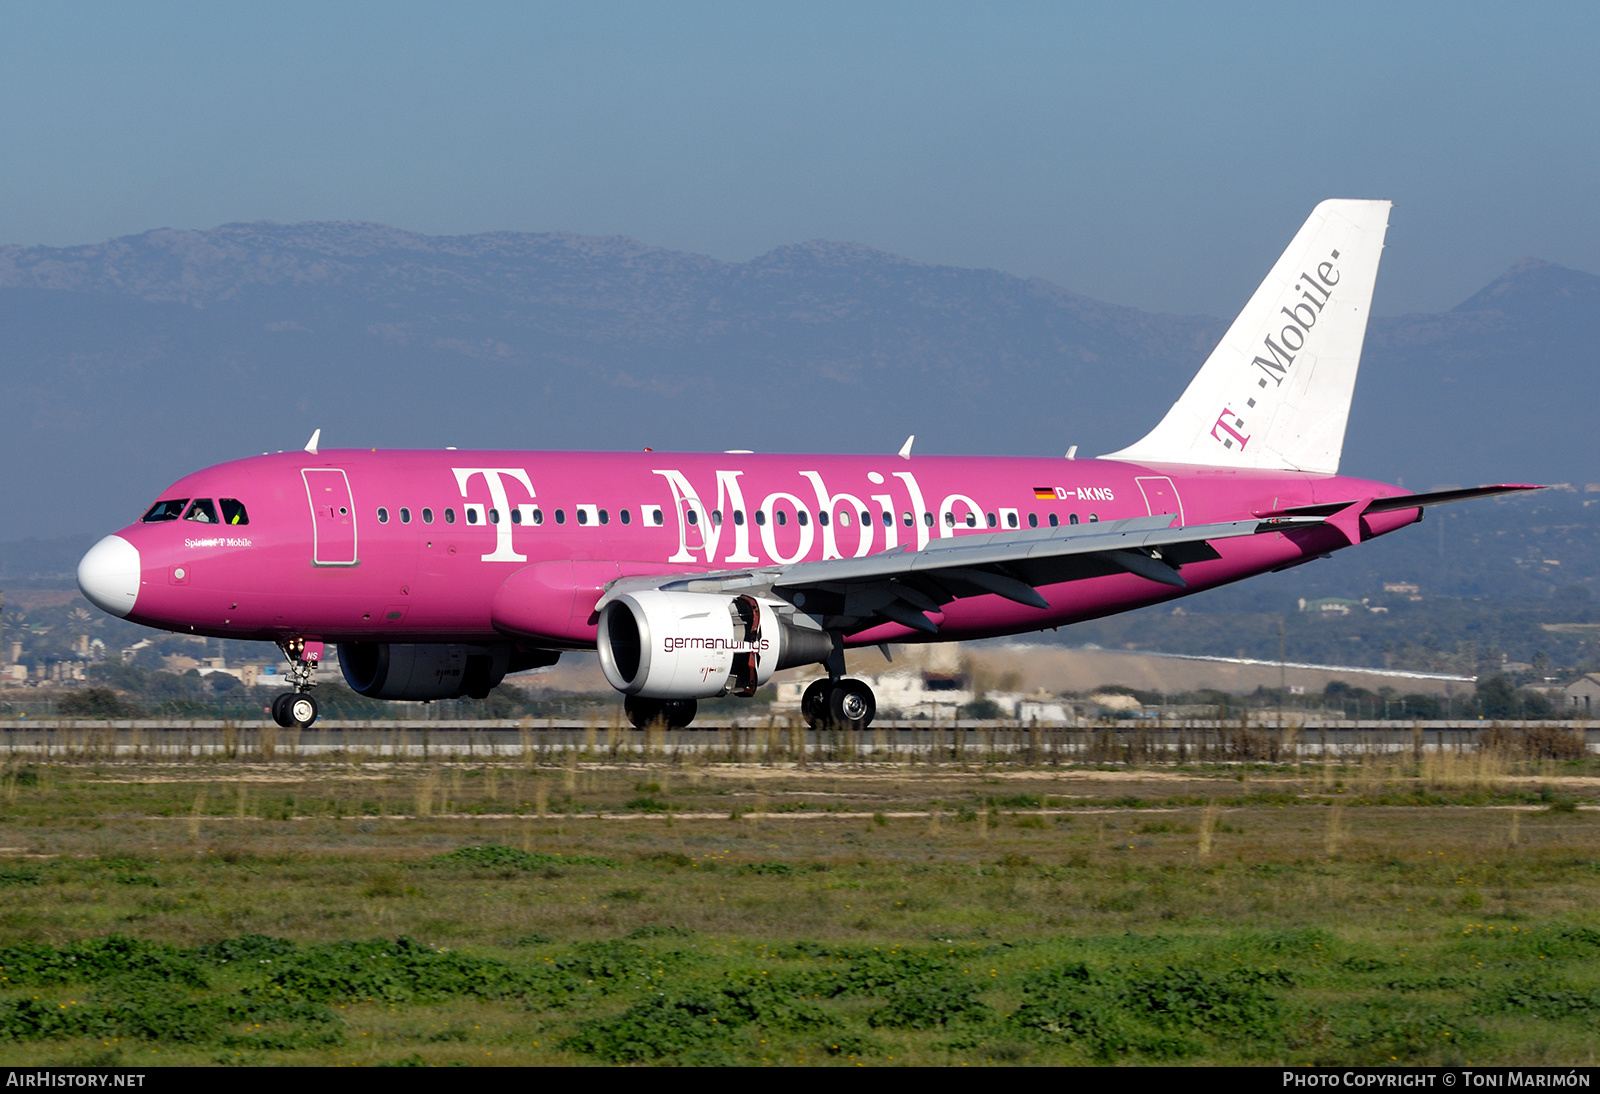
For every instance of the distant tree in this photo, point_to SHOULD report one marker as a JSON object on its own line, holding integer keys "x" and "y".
{"x": 1426, "y": 707}
{"x": 1535, "y": 704}
{"x": 1496, "y": 697}
{"x": 97, "y": 703}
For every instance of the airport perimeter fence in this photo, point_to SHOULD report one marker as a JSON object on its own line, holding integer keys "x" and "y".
{"x": 532, "y": 742}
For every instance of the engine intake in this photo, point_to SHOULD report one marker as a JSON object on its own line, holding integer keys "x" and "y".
{"x": 678, "y": 645}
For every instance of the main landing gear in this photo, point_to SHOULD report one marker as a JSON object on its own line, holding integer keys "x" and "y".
{"x": 297, "y": 709}
{"x": 674, "y": 713}
{"x": 842, "y": 704}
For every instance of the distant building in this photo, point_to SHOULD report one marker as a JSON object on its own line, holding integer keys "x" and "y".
{"x": 1584, "y": 693}
{"x": 1034, "y": 710}
{"x": 1338, "y": 605}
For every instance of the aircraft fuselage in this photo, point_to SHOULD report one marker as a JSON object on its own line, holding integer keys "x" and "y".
{"x": 421, "y": 546}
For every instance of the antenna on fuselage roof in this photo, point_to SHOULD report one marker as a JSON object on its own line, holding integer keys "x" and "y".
{"x": 311, "y": 445}
{"x": 905, "y": 449}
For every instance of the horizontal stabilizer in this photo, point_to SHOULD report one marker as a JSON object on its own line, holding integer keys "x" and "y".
{"x": 1402, "y": 501}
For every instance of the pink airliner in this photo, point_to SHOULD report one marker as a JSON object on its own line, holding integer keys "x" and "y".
{"x": 694, "y": 575}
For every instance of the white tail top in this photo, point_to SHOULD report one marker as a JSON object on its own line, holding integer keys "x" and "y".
{"x": 1275, "y": 393}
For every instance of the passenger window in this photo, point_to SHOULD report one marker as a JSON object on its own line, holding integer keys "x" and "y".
{"x": 427, "y": 516}
{"x": 990, "y": 518}
{"x": 516, "y": 516}
{"x": 1072, "y": 519}
{"x": 494, "y": 516}
{"x": 605, "y": 516}
{"x": 694, "y": 517}
{"x": 538, "y": 516}
{"x": 383, "y": 515}
{"x": 405, "y": 515}
{"x": 583, "y": 517}
{"x": 655, "y": 516}
{"x": 472, "y": 515}
{"x": 561, "y": 516}
{"x": 449, "y": 516}
{"x": 1033, "y": 520}
{"x": 972, "y": 520}
{"x": 165, "y": 510}
{"x": 738, "y": 518}
{"x": 822, "y": 519}
{"x": 844, "y": 519}
{"x": 202, "y": 511}
{"x": 908, "y": 519}
{"x": 1094, "y": 518}
{"x": 888, "y": 519}
{"x": 802, "y": 517}
{"x": 761, "y": 517}
{"x": 783, "y": 518}
{"x": 233, "y": 512}
{"x": 1011, "y": 520}
{"x": 627, "y": 517}
{"x": 716, "y": 518}
{"x": 949, "y": 520}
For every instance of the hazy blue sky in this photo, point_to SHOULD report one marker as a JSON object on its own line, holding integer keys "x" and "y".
{"x": 1152, "y": 155}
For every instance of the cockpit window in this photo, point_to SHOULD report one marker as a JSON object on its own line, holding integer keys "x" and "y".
{"x": 171, "y": 509}
{"x": 233, "y": 512}
{"x": 202, "y": 511}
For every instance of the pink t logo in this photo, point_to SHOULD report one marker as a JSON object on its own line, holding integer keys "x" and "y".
{"x": 1229, "y": 424}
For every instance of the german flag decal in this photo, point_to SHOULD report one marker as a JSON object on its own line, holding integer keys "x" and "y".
{"x": 1043, "y": 492}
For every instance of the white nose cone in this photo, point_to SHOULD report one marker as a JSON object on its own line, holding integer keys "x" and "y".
{"x": 109, "y": 575}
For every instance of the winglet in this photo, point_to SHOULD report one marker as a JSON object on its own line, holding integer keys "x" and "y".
{"x": 905, "y": 449}
{"x": 311, "y": 445}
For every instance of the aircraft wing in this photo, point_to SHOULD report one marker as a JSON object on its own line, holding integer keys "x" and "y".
{"x": 901, "y": 585}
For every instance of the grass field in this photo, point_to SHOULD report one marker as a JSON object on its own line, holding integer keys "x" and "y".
{"x": 561, "y": 910}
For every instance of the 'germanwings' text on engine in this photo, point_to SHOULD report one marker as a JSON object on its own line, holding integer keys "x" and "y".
{"x": 437, "y": 573}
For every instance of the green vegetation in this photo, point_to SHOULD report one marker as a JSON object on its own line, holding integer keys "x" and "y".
{"x": 1372, "y": 910}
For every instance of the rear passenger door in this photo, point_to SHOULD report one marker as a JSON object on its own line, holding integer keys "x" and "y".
{"x": 333, "y": 516}
{"x": 1160, "y": 496}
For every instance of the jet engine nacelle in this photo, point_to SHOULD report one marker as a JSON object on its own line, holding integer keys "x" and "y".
{"x": 679, "y": 645}
{"x": 417, "y": 671}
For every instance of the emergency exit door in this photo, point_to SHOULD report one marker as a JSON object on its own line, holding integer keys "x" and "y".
{"x": 333, "y": 516}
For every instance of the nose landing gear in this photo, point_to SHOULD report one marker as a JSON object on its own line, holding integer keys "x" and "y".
{"x": 292, "y": 709}
{"x": 297, "y": 708}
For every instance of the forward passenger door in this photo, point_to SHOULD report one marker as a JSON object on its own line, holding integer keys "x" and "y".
{"x": 333, "y": 516}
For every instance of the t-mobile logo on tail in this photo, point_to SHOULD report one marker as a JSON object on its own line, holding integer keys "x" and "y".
{"x": 1230, "y": 424}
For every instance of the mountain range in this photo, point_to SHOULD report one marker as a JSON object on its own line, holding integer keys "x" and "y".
{"x": 128, "y": 363}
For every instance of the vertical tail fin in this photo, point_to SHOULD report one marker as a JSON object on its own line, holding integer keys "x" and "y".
{"x": 1275, "y": 393}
